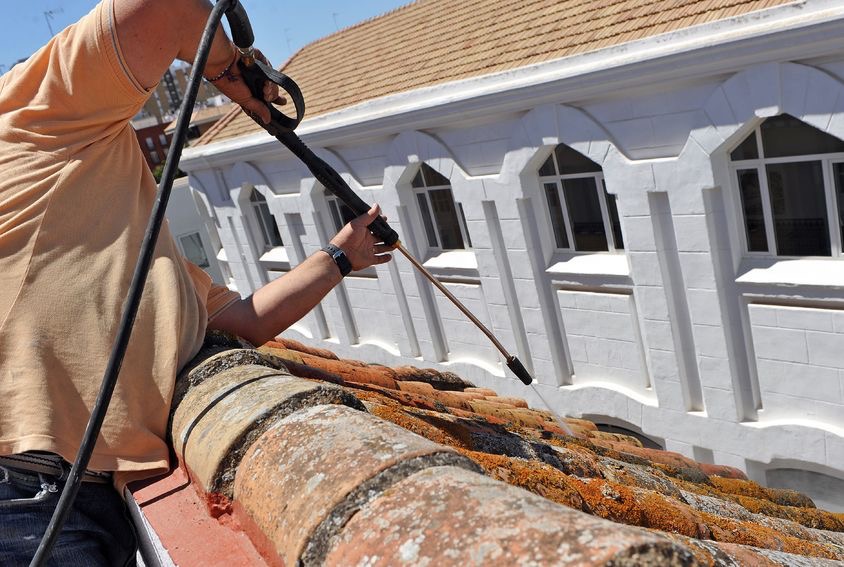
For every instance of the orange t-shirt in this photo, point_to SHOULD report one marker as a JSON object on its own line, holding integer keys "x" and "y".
{"x": 75, "y": 199}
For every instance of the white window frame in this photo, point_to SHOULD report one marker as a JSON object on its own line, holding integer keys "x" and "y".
{"x": 758, "y": 164}
{"x": 458, "y": 207}
{"x": 257, "y": 208}
{"x": 600, "y": 187}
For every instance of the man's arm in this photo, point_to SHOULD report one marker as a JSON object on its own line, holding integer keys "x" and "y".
{"x": 154, "y": 33}
{"x": 282, "y": 302}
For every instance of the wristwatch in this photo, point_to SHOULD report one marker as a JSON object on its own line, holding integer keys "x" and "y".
{"x": 339, "y": 258}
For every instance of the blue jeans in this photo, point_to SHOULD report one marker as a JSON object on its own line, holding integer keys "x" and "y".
{"x": 97, "y": 531}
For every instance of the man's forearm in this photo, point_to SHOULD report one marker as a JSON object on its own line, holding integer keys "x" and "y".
{"x": 282, "y": 302}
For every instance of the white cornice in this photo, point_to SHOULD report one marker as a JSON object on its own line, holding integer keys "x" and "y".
{"x": 800, "y": 30}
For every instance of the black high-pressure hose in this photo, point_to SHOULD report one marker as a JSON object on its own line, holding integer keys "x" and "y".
{"x": 235, "y": 13}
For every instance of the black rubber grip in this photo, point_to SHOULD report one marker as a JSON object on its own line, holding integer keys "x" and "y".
{"x": 519, "y": 370}
{"x": 242, "y": 35}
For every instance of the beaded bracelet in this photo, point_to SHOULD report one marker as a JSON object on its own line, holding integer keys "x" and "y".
{"x": 223, "y": 73}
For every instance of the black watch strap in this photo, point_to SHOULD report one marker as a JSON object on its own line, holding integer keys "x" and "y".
{"x": 339, "y": 258}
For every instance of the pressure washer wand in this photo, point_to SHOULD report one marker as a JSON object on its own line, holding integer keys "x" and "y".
{"x": 256, "y": 72}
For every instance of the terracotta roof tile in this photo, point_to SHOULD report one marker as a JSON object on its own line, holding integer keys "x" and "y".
{"x": 310, "y": 485}
{"x": 435, "y": 41}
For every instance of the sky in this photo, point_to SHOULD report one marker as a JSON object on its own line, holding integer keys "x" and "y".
{"x": 280, "y": 27}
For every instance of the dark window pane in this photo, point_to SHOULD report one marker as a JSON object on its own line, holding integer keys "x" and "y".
{"x": 548, "y": 167}
{"x": 194, "y": 250}
{"x": 269, "y": 229}
{"x": 256, "y": 197}
{"x": 612, "y": 209}
{"x": 335, "y": 215}
{"x": 556, "y": 210}
{"x": 445, "y": 216}
{"x": 340, "y": 212}
{"x": 587, "y": 224}
{"x": 798, "y": 205}
{"x": 751, "y": 203}
{"x": 465, "y": 225}
{"x": 747, "y": 149}
{"x": 571, "y": 161}
{"x": 784, "y": 136}
{"x": 426, "y": 220}
{"x": 432, "y": 177}
{"x": 417, "y": 182}
{"x": 838, "y": 174}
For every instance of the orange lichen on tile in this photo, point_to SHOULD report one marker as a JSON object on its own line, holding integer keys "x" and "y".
{"x": 669, "y": 515}
{"x": 728, "y": 530}
{"x": 415, "y": 424}
{"x": 611, "y": 501}
{"x": 539, "y": 478}
{"x": 809, "y": 517}
{"x": 517, "y": 416}
{"x": 781, "y": 496}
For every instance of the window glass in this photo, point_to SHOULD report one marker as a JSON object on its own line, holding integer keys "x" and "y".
{"x": 571, "y": 161}
{"x": 751, "y": 202}
{"x": 587, "y": 223}
{"x": 548, "y": 168}
{"x": 785, "y": 135}
{"x": 150, "y": 143}
{"x": 798, "y": 206}
{"x": 418, "y": 182}
{"x": 747, "y": 149}
{"x": 162, "y": 139}
{"x": 463, "y": 220}
{"x": 556, "y": 210}
{"x": 427, "y": 220}
{"x": 445, "y": 216}
{"x": 266, "y": 221}
{"x": 838, "y": 174}
{"x": 340, "y": 213}
{"x": 612, "y": 209}
{"x": 193, "y": 249}
{"x": 433, "y": 178}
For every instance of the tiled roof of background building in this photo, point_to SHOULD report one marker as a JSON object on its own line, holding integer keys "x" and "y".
{"x": 436, "y": 41}
{"x": 343, "y": 462}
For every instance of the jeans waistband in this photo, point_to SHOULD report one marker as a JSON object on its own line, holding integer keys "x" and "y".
{"x": 50, "y": 464}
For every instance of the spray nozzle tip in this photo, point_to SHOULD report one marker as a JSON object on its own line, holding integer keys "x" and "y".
{"x": 519, "y": 370}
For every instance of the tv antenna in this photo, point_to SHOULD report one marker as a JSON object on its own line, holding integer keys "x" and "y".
{"x": 49, "y": 15}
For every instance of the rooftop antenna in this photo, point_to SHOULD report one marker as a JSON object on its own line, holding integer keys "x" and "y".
{"x": 287, "y": 39}
{"x": 334, "y": 15}
{"x": 48, "y": 15}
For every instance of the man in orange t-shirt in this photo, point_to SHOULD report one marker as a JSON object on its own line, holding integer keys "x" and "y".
{"x": 75, "y": 198}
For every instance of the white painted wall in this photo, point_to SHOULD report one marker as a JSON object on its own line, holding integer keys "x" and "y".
{"x": 681, "y": 336}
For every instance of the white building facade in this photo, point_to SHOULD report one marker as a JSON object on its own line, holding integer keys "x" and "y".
{"x": 655, "y": 229}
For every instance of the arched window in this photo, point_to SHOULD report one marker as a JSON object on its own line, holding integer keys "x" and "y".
{"x": 266, "y": 222}
{"x": 583, "y": 215}
{"x": 790, "y": 176}
{"x": 443, "y": 219}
